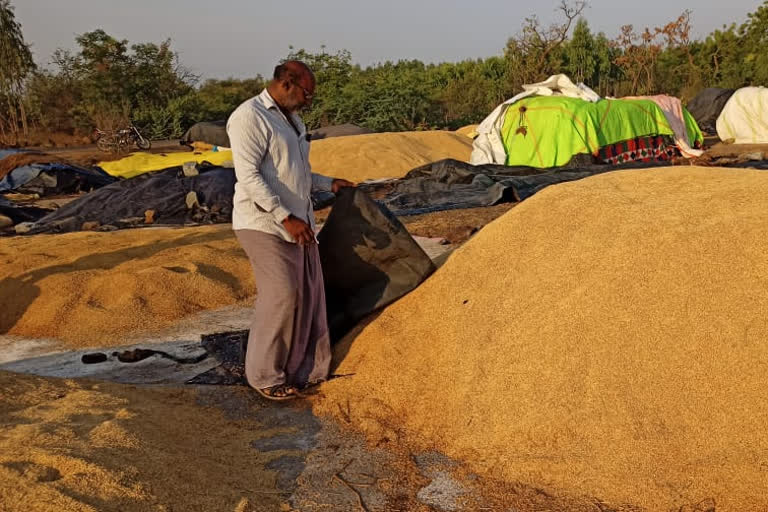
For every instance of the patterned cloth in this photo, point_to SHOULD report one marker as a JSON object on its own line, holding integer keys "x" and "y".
{"x": 657, "y": 148}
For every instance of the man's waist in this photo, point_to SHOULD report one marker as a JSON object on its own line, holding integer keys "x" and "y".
{"x": 246, "y": 209}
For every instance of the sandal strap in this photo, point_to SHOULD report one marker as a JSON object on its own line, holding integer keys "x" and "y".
{"x": 280, "y": 390}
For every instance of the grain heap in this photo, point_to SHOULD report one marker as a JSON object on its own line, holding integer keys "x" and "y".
{"x": 605, "y": 338}
{"x": 385, "y": 155}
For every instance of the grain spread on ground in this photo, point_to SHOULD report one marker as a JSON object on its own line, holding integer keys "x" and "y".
{"x": 91, "y": 289}
{"x": 605, "y": 338}
{"x": 85, "y": 446}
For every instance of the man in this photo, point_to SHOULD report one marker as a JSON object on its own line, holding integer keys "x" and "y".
{"x": 288, "y": 346}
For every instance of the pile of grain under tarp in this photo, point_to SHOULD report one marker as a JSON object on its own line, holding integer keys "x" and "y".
{"x": 604, "y": 338}
{"x": 385, "y": 155}
{"x": 79, "y": 446}
{"x": 89, "y": 289}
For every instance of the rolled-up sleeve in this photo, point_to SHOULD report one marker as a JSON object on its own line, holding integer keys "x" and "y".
{"x": 248, "y": 137}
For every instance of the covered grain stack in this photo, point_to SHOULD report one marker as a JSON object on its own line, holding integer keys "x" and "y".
{"x": 606, "y": 338}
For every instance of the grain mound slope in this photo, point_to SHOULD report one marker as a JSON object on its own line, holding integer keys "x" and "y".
{"x": 606, "y": 338}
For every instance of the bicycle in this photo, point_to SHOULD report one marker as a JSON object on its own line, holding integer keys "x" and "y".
{"x": 117, "y": 141}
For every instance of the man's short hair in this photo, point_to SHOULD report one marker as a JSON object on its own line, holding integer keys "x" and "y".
{"x": 282, "y": 72}
{"x": 292, "y": 71}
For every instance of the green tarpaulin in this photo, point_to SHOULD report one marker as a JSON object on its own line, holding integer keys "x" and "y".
{"x": 546, "y": 131}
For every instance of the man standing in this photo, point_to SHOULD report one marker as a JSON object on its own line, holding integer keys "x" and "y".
{"x": 288, "y": 346}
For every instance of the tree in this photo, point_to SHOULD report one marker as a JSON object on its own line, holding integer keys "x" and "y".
{"x": 580, "y": 54}
{"x": 218, "y": 98}
{"x": 721, "y": 57}
{"x": 608, "y": 74}
{"x": 535, "y": 53}
{"x": 333, "y": 72}
{"x": 17, "y": 63}
{"x": 109, "y": 81}
{"x": 754, "y": 37}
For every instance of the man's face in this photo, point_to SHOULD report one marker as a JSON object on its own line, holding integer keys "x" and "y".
{"x": 301, "y": 93}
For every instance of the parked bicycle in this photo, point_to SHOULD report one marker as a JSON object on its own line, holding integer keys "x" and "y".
{"x": 121, "y": 140}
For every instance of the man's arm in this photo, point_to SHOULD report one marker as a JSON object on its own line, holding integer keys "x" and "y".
{"x": 320, "y": 182}
{"x": 248, "y": 139}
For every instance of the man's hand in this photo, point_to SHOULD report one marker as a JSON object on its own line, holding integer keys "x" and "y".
{"x": 299, "y": 230}
{"x": 338, "y": 184}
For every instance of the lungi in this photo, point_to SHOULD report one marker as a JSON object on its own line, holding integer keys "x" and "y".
{"x": 288, "y": 342}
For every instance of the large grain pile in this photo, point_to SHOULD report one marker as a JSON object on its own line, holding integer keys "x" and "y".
{"x": 605, "y": 338}
{"x": 86, "y": 447}
{"x": 385, "y": 155}
{"x": 90, "y": 289}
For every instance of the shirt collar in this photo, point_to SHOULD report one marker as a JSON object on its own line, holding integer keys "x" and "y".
{"x": 267, "y": 99}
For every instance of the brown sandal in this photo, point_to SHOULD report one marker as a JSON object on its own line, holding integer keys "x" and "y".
{"x": 279, "y": 392}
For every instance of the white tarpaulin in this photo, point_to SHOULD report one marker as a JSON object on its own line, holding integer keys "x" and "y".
{"x": 744, "y": 118}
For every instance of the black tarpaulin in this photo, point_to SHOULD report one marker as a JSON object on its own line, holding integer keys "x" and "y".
{"x": 369, "y": 260}
{"x": 707, "y": 105}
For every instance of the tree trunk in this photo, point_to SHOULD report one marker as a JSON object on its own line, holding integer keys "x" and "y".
{"x": 24, "y": 126}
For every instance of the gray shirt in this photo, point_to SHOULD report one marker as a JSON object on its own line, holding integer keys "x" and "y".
{"x": 274, "y": 178}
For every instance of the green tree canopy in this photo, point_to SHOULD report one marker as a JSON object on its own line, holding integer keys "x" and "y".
{"x": 17, "y": 64}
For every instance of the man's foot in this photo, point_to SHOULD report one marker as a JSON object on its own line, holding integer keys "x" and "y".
{"x": 279, "y": 392}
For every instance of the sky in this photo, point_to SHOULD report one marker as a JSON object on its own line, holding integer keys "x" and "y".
{"x": 242, "y": 38}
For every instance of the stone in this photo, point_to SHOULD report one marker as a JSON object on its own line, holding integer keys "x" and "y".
{"x": 93, "y": 358}
{"x": 190, "y": 168}
{"x": 5, "y": 222}
{"x": 149, "y": 217}
{"x": 91, "y": 225}
{"x": 23, "y": 227}
{"x": 192, "y": 200}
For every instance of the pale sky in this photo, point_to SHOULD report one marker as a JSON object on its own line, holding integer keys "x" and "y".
{"x": 239, "y": 38}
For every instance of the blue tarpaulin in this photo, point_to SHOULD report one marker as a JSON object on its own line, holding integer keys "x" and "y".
{"x": 21, "y": 176}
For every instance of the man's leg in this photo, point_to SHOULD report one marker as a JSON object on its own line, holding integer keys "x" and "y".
{"x": 310, "y": 356}
{"x": 276, "y": 265}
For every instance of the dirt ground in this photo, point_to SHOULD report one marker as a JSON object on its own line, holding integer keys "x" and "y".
{"x": 45, "y": 139}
